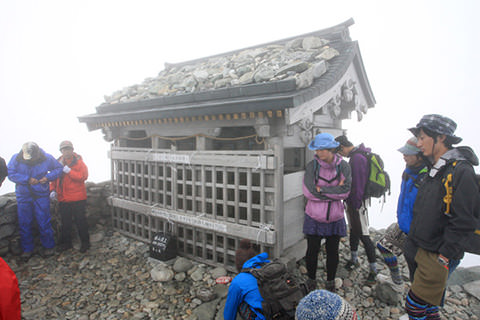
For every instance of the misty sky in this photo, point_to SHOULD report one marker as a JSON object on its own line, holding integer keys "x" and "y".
{"x": 59, "y": 58}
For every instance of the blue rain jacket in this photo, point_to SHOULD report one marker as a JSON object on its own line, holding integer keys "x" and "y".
{"x": 408, "y": 193}
{"x": 20, "y": 171}
{"x": 244, "y": 287}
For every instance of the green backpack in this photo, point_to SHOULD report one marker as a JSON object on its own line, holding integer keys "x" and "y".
{"x": 378, "y": 182}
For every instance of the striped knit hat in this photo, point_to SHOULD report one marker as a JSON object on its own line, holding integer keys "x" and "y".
{"x": 410, "y": 148}
{"x": 324, "y": 305}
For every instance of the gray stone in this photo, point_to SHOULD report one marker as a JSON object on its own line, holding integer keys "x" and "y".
{"x": 218, "y": 272}
{"x": 207, "y": 311}
{"x": 201, "y": 74}
{"x": 161, "y": 274}
{"x": 180, "y": 276}
{"x": 328, "y": 54}
{"x": 473, "y": 288}
{"x": 246, "y": 78}
{"x": 294, "y": 44}
{"x": 205, "y": 294}
{"x": 319, "y": 69}
{"x": 182, "y": 265}
{"x": 305, "y": 79}
{"x": 296, "y": 66}
{"x": 385, "y": 293}
{"x": 263, "y": 74}
{"x": 464, "y": 275}
{"x": 3, "y": 201}
{"x": 313, "y": 43}
{"x": 197, "y": 275}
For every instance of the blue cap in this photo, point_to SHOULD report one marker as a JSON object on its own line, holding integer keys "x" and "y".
{"x": 323, "y": 141}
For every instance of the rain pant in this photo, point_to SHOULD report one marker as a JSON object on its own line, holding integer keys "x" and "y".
{"x": 33, "y": 200}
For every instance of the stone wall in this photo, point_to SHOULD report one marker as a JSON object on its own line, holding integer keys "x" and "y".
{"x": 98, "y": 215}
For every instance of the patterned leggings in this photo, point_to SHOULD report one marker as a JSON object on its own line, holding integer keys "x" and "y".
{"x": 419, "y": 310}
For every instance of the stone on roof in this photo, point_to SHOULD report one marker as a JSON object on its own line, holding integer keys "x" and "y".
{"x": 303, "y": 59}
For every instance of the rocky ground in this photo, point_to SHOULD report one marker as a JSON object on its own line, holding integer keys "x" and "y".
{"x": 116, "y": 279}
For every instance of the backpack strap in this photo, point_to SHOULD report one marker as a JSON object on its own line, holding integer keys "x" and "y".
{"x": 316, "y": 172}
{"x": 447, "y": 183}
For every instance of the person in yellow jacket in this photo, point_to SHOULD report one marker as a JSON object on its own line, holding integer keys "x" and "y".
{"x": 71, "y": 193}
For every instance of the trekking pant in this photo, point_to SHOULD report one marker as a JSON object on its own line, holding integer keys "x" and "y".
{"x": 39, "y": 208}
{"x": 311, "y": 258}
{"x": 367, "y": 244}
{"x": 410, "y": 253}
{"x": 74, "y": 211}
{"x": 358, "y": 222}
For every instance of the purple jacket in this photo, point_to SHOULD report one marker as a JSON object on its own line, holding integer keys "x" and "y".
{"x": 326, "y": 206}
{"x": 359, "y": 165}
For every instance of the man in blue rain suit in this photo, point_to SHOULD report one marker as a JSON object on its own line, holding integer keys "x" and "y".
{"x": 31, "y": 170}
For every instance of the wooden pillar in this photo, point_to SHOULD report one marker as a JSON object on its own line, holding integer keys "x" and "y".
{"x": 276, "y": 144}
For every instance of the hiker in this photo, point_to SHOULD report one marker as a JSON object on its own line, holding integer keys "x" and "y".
{"x": 10, "y": 305}
{"x": 442, "y": 221}
{"x": 326, "y": 183}
{"x": 391, "y": 244}
{"x": 70, "y": 191}
{"x": 31, "y": 170}
{"x": 243, "y": 294}
{"x": 357, "y": 213}
{"x": 324, "y": 305}
{"x": 3, "y": 170}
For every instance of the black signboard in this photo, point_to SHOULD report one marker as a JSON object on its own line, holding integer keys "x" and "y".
{"x": 163, "y": 246}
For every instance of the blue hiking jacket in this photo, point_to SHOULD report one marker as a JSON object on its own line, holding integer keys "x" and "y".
{"x": 20, "y": 171}
{"x": 408, "y": 192}
{"x": 244, "y": 288}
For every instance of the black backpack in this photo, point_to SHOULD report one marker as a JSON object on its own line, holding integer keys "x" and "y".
{"x": 378, "y": 180}
{"x": 280, "y": 289}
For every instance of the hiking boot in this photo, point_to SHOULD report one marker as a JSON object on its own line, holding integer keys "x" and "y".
{"x": 371, "y": 279}
{"x": 311, "y": 284}
{"x": 350, "y": 265}
{"x": 48, "y": 252}
{"x": 84, "y": 247}
{"x": 64, "y": 247}
{"x": 26, "y": 255}
{"x": 384, "y": 279}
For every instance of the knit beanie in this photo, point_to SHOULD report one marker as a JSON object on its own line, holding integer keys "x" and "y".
{"x": 324, "y": 305}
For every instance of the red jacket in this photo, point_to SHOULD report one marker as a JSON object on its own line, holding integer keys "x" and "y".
{"x": 71, "y": 186}
{"x": 10, "y": 306}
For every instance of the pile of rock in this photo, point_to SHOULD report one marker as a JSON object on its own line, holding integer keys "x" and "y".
{"x": 117, "y": 279}
{"x": 8, "y": 224}
{"x": 302, "y": 59}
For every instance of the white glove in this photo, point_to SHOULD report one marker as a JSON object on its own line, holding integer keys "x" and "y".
{"x": 53, "y": 195}
{"x": 66, "y": 169}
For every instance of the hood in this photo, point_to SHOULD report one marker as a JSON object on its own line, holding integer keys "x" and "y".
{"x": 256, "y": 261}
{"x": 336, "y": 161}
{"x": 362, "y": 148}
{"x": 461, "y": 153}
{"x": 39, "y": 158}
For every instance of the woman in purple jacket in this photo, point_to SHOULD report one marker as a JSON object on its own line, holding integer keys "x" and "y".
{"x": 326, "y": 183}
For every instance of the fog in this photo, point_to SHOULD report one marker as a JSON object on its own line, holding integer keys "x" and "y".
{"x": 59, "y": 58}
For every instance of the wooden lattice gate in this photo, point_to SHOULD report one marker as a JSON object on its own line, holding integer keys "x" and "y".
{"x": 208, "y": 199}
